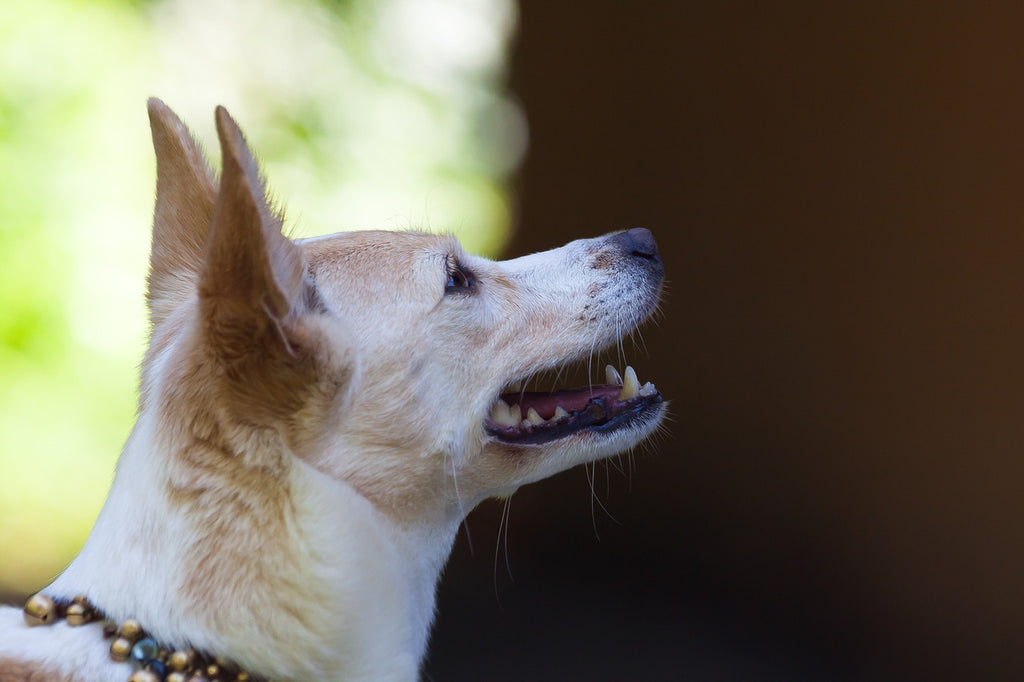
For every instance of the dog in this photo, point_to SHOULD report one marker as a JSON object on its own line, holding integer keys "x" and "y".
{"x": 316, "y": 418}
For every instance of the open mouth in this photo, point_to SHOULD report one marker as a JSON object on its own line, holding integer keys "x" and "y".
{"x": 520, "y": 416}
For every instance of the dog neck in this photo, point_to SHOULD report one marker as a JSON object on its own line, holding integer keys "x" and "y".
{"x": 334, "y": 580}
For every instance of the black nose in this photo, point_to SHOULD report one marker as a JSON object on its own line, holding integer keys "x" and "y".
{"x": 638, "y": 242}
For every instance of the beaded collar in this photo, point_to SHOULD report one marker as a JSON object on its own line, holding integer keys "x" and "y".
{"x": 154, "y": 663}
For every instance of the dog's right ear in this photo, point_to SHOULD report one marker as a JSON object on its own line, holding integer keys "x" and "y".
{"x": 255, "y": 295}
{"x": 185, "y": 197}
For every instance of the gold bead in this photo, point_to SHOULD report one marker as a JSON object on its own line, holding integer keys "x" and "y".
{"x": 242, "y": 677}
{"x": 77, "y": 614}
{"x": 120, "y": 648}
{"x": 144, "y": 676}
{"x": 213, "y": 670}
{"x": 176, "y": 677}
{"x": 130, "y": 629}
{"x": 40, "y": 610}
{"x": 181, "y": 659}
{"x": 80, "y": 599}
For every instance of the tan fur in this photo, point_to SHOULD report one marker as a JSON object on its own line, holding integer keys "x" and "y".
{"x": 181, "y": 219}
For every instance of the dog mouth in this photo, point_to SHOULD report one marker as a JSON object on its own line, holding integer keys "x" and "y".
{"x": 534, "y": 417}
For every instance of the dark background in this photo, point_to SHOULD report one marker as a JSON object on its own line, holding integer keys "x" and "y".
{"x": 837, "y": 193}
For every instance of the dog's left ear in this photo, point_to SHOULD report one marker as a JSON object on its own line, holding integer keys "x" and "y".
{"x": 253, "y": 287}
{"x": 185, "y": 195}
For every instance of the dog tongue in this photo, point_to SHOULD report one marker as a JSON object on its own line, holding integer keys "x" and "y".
{"x": 570, "y": 400}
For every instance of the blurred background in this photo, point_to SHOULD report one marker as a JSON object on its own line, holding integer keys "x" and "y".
{"x": 836, "y": 190}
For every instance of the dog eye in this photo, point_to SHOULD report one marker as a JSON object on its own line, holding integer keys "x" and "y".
{"x": 460, "y": 280}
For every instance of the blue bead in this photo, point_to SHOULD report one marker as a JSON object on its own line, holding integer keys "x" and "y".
{"x": 157, "y": 667}
{"x": 145, "y": 650}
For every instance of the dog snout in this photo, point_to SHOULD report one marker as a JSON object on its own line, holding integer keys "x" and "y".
{"x": 638, "y": 243}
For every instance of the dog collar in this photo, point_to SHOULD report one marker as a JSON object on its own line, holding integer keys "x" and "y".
{"x": 155, "y": 662}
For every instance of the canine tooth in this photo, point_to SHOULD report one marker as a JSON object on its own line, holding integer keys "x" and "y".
{"x": 612, "y": 375}
{"x": 533, "y": 417}
{"x": 631, "y": 385}
{"x": 525, "y": 423}
{"x": 647, "y": 389}
{"x": 560, "y": 412}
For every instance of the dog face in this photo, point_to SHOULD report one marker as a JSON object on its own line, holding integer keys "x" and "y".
{"x": 440, "y": 335}
{"x": 387, "y": 360}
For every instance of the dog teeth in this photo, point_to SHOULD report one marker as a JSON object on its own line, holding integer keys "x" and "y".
{"x": 630, "y": 385}
{"x": 504, "y": 414}
{"x": 512, "y": 416}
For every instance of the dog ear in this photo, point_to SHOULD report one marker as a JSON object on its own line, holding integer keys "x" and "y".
{"x": 185, "y": 196}
{"x": 252, "y": 286}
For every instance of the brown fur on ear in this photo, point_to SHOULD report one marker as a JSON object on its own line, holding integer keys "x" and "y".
{"x": 185, "y": 195}
{"x": 251, "y": 286}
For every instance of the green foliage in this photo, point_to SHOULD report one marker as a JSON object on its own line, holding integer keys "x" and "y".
{"x": 362, "y": 121}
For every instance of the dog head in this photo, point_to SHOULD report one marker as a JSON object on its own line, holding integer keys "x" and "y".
{"x": 388, "y": 361}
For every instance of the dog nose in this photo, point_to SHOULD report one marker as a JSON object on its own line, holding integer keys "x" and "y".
{"x": 638, "y": 242}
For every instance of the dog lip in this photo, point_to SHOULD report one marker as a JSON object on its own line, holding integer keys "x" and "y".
{"x": 601, "y": 412}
